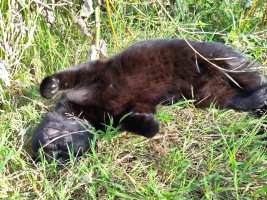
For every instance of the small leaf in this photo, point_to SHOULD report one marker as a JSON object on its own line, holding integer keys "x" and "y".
{"x": 87, "y": 9}
{"x": 87, "y": 178}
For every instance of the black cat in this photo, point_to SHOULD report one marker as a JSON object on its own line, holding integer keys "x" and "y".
{"x": 155, "y": 71}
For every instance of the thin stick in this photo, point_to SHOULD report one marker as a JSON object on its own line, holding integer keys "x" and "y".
{"x": 111, "y": 25}
{"x": 97, "y": 25}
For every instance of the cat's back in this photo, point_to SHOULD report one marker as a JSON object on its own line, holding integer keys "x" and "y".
{"x": 182, "y": 48}
{"x": 151, "y": 56}
{"x": 177, "y": 58}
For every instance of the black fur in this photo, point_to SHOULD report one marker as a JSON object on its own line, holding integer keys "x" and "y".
{"x": 151, "y": 72}
{"x": 60, "y": 135}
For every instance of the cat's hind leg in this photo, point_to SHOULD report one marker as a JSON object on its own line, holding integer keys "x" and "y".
{"x": 256, "y": 100}
{"x": 66, "y": 80}
{"x": 63, "y": 80}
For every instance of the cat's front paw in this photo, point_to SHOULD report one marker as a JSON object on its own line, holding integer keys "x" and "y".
{"x": 49, "y": 87}
{"x": 142, "y": 124}
{"x": 148, "y": 124}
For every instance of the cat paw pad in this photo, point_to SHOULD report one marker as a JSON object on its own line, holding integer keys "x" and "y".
{"x": 49, "y": 87}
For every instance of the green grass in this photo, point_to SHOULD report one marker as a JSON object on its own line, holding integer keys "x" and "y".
{"x": 199, "y": 154}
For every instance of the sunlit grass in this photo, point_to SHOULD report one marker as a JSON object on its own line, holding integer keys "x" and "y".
{"x": 199, "y": 154}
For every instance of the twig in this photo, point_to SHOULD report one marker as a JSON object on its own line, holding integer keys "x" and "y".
{"x": 111, "y": 25}
{"x": 97, "y": 24}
